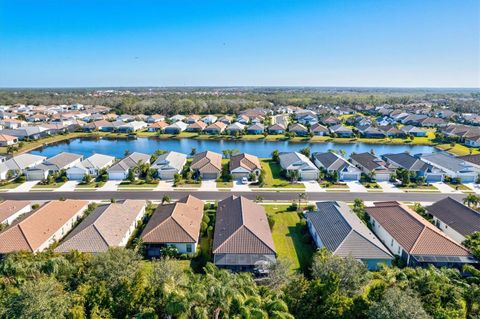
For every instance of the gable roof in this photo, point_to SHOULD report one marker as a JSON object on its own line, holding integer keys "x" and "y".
{"x": 170, "y": 160}
{"x": 22, "y": 161}
{"x": 448, "y": 162}
{"x": 415, "y": 234}
{"x": 31, "y": 232}
{"x": 9, "y": 208}
{"x": 331, "y": 160}
{"x": 247, "y": 161}
{"x": 207, "y": 161}
{"x": 130, "y": 161}
{"x": 461, "y": 218}
{"x": 474, "y": 158}
{"x": 344, "y": 234}
{"x": 175, "y": 223}
{"x": 291, "y": 159}
{"x": 369, "y": 161}
{"x": 241, "y": 227}
{"x": 408, "y": 162}
{"x": 97, "y": 161}
{"x": 105, "y": 227}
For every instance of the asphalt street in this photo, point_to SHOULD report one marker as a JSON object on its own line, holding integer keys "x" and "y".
{"x": 219, "y": 195}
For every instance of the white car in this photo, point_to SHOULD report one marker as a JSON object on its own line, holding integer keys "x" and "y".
{"x": 244, "y": 180}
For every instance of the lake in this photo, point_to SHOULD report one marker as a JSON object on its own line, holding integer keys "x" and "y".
{"x": 117, "y": 147}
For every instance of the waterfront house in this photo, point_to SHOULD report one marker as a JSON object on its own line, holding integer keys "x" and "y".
{"x": 298, "y": 129}
{"x": 319, "y": 130}
{"x": 334, "y": 226}
{"x": 392, "y": 131}
{"x": 415, "y": 165}
{"x": 415, "y": 240}
{"x": 207, "y": 164}
{"x": 39, "y": 229}
{"x": 453, "y": 167}
{"x": 243, "y": 119}
{"x": 91, "y": 166}
{"x": 169, "y": 164}
{"x": 330, "y": 120}
{"x": 97, "y": 126}
{"x": 197, "y": 126}
{"x": 209, "y": 119}
{"x": 454, "y": 218}
{"x": 10, "y": 210}
{"x": 157, "y": 126}
{"x": 276, "y": 129}
{"x": 8, "y": 140}
{"x": 26, "y": 132}
{"x": 119, "y": 171}
{"x": 242, "y": 165}
{"x": 52, "y": 165}
{"x": 174, "y": 225}
{"x": 215, "y": 128}
{"x": 242, "y": 239}
{"x": 256, "y": 129}
{"x": 155, "y": 118}
{"x": 20, "y": 163}
{"x": 373, "y": 166}
{"x": 332, "y": 162}
{"x": 294, "y": 161}
{"x": 131, "y": 127}
{"x": 109, "y": 225}
{"x": 341, "y": 131}
{"x": 235, "y": 128}
{"x": 175, "y": 128}
{"x": 177, "y": 117}
{"x": 414, "y": 131}
{"x": 307, "y": 118}
{"x": 368, "y": 131}
{"x": 192, "y": 119}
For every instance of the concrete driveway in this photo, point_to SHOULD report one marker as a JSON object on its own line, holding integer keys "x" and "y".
{"x": 25, "y": 187}
{"x": 110, "y": 186}
{"x": 67, "y": 187}
{"x": 238, "y": 186}
{"x": 164, "y": 185}
{"x": 312, "y": 186}
{"x": 208, "y": 185}
{"x": 445, "y": 189}
{"x": 356, "y": 187}
{"x": 389, "y": 187}
{"x": 474, "y": 187}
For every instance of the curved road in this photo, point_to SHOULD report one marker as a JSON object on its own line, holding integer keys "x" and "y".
{"x": 219, "y": 195}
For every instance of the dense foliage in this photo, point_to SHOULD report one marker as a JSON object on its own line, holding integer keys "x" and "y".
{"x": 120, "y": 284}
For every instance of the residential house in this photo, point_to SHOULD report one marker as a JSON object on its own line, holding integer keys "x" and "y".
{"x": 91, "y": 166}
{"x": 330, "y": 120}
{"x": 319, "y": 130}
{"x": 54, "y": 164}
{"x": 42, "y": 227}
{"x": 26, "y": 132}
{"x": 392, "y": 131}
{"x": 368, "y": 131}
{"x": 215, "y": 128}
{"x": 414, "y": 131}
{"x": 243, "y": 119}
{"x": 131, "y": 127}
{"x": 227, "y": 119}
{"x": 20, "y": 163}
{"x": 120, "y": 170}
{"x": 207, "y": 164}
{"x": 175, "y": 128}
{"x": 109, "y": 225}
{"x": 210, "y": 119}
{"x": 7, "y": 140}
{"x": 332, "y": 162}
{"x": 307, "y": 118}
{"x": 452, "y": 166}
{"x": 433, "y": 122}
{"x": 10, "y": 210}
{"x": 341, "y": 131}
{"x": 192, "y": 119}
{"x": 338, "y": 229}
{"x": 454, "y": 218}
{"x": 157, "y": 126}
{"x": 242, "y": 240}
{"x": 294, "y": 161}
{"x": 99, "y": 125}
{"x": 155, "y": 118}
{"x": 416, "y": 165}
{"x": 373, "y": 166}
{"x": 235, "y": 128}
{"x": 169, "y": 164}
{"x": 242, "y": 165}
{"x": 256, "y": 129}
{"x": 415, "y": 240}
{"x": 298, "y": 129}
{"x": 474, "y": 159}
{"x": 197, "y": 126}
{"x": 276, "y": 129}
{"x": 174, "y": 225}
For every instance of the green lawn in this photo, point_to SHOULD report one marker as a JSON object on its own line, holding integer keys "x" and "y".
{"x": 54, "y": 185}
{"x": 136, "y": 185}
{"x": 288, "y": 233}
{"x": 331, "y": 185}
{"x": 460, "y": 187}
{"x": 273, "y": 178}
{"x": 10, "y": 185}
{"x": 224, "y": 184}
{"x": 458, "y": 149}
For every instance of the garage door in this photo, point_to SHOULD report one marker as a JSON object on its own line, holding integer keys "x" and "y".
{"x": 382, "y": 177}
{"x": 433, "y": 178}
{"x": 467, "y": 179}
{"x": 116, "y": 176}
{"x": 166, "y": 175}
{"x": 239, "y": 175}
{"x": 350, "y": 177}
{"x": 209, "y": 176}
{"x": 75, "y": 177}
{"x": 308, "y": 176}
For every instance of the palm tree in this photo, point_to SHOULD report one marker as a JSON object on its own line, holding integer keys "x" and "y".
{"x": 471, "y": 200}
{"x": 301, "y": 196}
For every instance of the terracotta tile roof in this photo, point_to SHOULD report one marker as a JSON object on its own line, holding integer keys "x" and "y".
{"x": 159, "y": 124}
{"x": 241, "y": 227}
{"x": 175, "y": 223}
{"x": 247, "y": 161}
{"x": 197, "y": 125}
{"x": 207, "y": 162}
{"x": 31, "y": 232}
{"x": 11, "y": 207}
{"x": 7, "y": 138}
{"x": 415, "y": 234}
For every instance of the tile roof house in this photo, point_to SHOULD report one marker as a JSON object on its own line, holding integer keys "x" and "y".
{"x": 215, "y": 128}
{"x": 370, "y": 164}
{"x": 335, "y": 227}
{"x": 174, "y": 225}
{"x": 333, "y": 162}
{"x": 39, "y": 229}
{"x": 474, "y": 158}
{"x": 298, "y": 129}
{"x": 414, "y": 239}
{"x": 91, "y": 166}
{"x": 319, "y": 130}
{"x": 209, "y": 119}
{"x": 26, "y": 132}
{"x": 192, "y": 118}
{"x": 257, "y": 128}
{"x": 157, "y": 126}
{"x": 197, "y": 126}
{"x": 109, "y": 225}
{"x": 276, "y": 129}
{"x": 7, "y": 140}
{"x": 22, "y": 162}
{"x": 235, "y": 127}
{"x": 452, "y": 166}
{"x": 242, "y": 239}
{"x": 53, "y": 164}
{"x": 10, "y": 210}
{"x": 208, "y": 164}
{"x": 131, "y": 127}
{"x": 341, "y": 131}
{"x": 169, "y": 164}
{"x": 414, "y": 131}
{"x": 416, "y": 165}
{"x": 119, "y": 171}
{"x": 242, "y": 165}
{"x": 299, "y": 162}
{"x": 454, "y": 219}
{"x": 175, "y": 128}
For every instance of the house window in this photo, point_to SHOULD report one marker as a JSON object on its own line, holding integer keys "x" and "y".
{"x": 373, "y": 223}
{"x": 189, "y": 248}
{"x": 391, "y": 243}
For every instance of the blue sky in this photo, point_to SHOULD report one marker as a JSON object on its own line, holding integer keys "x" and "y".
{"x": 270, "y": 43}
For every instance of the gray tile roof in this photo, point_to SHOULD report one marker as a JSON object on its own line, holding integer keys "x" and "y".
{"x": 408, "y": 162}
{"x": 448, "y": 162}
{"x": 97, "y": 161}
{"x": 22, "y": 161}
{"x": 461, "y": 218}
{"x": 297, "y": 161}
{"x": 331, "y": 161}
{"x": 343, "y": 233}
{"x": 130, "y": 161}
{"x": 170, "y": 160}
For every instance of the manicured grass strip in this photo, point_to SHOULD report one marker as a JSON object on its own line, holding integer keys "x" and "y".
{"x": 11, "y": 185}
{"x": 49, "y": 186}
{"x": 273, "y": 178}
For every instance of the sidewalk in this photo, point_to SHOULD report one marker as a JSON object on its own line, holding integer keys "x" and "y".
{"x": 356, "y": 187}
{"x": 25, "y": 187}
{"x": 389, "y": 187}
{"x": 313, "y": 186}
{"x": 109, "y": 186}
{"x": 446, "y": 189}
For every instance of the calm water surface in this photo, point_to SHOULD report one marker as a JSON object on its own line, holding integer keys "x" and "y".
{"x": 117, "y": 148}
